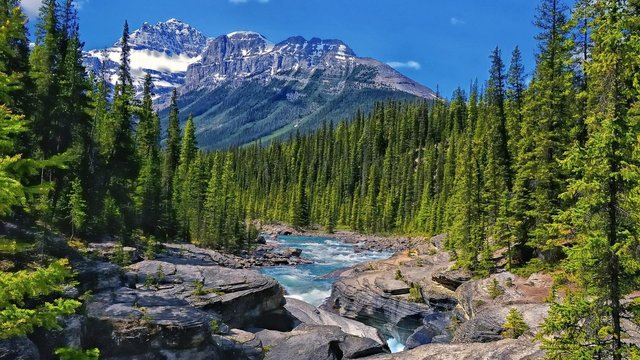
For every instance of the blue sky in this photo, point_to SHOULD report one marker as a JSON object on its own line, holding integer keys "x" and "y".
{"x": 436, "y": 42}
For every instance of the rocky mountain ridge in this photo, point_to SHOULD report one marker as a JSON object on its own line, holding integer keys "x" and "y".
{"x": 240, "y": 87}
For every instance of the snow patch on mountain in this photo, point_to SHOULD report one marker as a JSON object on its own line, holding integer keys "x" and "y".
{"x": 164, "y": 50}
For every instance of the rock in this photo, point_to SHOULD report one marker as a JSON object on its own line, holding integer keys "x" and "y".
{"x": 261, "y": 240}
{"x": 239, "y": 296}
{"x": 433, "y": 331}
{"x": 357, "y": 347}
{"x": 521, "y": 349}
{"x": 486, "y": 305}
{"x": 308, "y": 314}
{"x": 239, "y": 344}
{"x": 289, "y": 252}
{"x": 370, "y": 293}
{"x": 271, "y": 338}
{"x": 175, "y": 307}
{"x": 485, "y": 327}
{"x": 96, "y": 276}
{"x": 138, "y": 322}
{"x": 451, "y": 279}
{"x": 359, "y": 299}
{"x": 70, "y": 335}
{"x": 313, "y": 342}
{"x": 106, "y": 251}
{"x": 392, "y": 286}
{"x": 18, "y": 348}
{"x": 193, "y": 255}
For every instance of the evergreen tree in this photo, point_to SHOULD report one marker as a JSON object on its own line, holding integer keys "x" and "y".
{"x": 121, "y": 160}
{"x": 169, "y": 166}
{"x": 148, "y": 187}
{"x": 187, "y": 156}
{"x": 604, "y": 217}
{"x": 545, "y": 133}
{"x": 77, "y": 207}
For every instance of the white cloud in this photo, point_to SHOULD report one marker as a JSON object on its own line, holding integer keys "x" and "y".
{"x": 411, "y": 64}
{"x": 31, "y": 7}
{"x": 456, "y": 21}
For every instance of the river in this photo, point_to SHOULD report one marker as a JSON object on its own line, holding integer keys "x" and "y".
{"x": 307, "y": 282}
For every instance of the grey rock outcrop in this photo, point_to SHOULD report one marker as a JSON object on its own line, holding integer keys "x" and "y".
{"x": 18, "y": 348}
{"x": 308, "y": 314}
{"x": 486, "y": 309}
{"x": 371, "y": 293}
{"x": 313, "y": 342}
{"x": 521, "y": 349}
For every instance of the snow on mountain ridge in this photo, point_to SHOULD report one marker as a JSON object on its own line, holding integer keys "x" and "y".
{"x": 177, "y": 55}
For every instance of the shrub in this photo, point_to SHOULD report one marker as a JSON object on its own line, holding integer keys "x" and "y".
{"x": 515, "y": 325}
{"x": 215, "y": 326}
{"x": 495, "y": 289}
{"x": 415, "y": 294}
{"x": 69, "y": 353}
{"x": 399, "y": 275}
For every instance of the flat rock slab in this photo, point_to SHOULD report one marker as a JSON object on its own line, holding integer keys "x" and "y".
{"x": 238, "y": 296}
{"x": 392, "y": 286}
{"x": 520, "y": 349}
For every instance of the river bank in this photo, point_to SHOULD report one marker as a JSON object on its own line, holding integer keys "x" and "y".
{"x": 361, "y": 242}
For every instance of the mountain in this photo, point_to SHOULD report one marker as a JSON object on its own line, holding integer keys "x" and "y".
{"x": 164, "y": 50}
{"x": 241, "y": 87}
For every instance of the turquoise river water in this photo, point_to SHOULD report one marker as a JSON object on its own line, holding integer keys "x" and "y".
{"x": 307, "y": 282}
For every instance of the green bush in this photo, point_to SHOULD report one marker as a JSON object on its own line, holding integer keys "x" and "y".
{"x": 495, "y": 289}
{"x": 69, "y": 353}
{"x": 515, "y": 325}
{"x": 415, "y": 294}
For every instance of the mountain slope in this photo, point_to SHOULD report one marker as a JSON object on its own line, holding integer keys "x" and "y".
{"x": 164, "y": 50}
{"x": 240, "y": 87}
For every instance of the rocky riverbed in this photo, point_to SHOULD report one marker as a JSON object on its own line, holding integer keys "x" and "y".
{"x": 193, "y": 303}
{"x": 361, "y": 242}
{"x": 420, "y": 299}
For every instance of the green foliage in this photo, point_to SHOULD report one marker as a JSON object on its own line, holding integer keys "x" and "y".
{"x": 68, "y": 353}
{"x": 120, "y": 256}
{"x": 77, "y": 207}
{"x": 515, "y": 325}
{"x": 399, "y": 275}
{"x": 21, "y": 306}
{"x": 198, "y": 289}
{"x": 415, "y": 293}
{"x": 495, "y": 289}
{"x": 215, "y": 326}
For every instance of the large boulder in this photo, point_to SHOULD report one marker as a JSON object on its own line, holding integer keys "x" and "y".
{"x": 486, "y": 303}
{"x": 96, "y": 276}
{"x": 238, "y": 296}
{"x": 308, "y": 314}
{"x": 315, "y": 342}
{"x": 181, "y": 311}
{"x": 129, "y": 322}
{"x": 18, "y": 348}
{"x": 451, "y": 278}
{"x": 70, "y": 335}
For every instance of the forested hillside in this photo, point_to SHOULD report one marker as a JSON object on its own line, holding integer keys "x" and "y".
{"x": 543, "y": 171}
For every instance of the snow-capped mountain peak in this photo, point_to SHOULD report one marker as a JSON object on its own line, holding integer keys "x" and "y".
{"x": 164, "y": 50}
{"x": 176, "y": 55}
